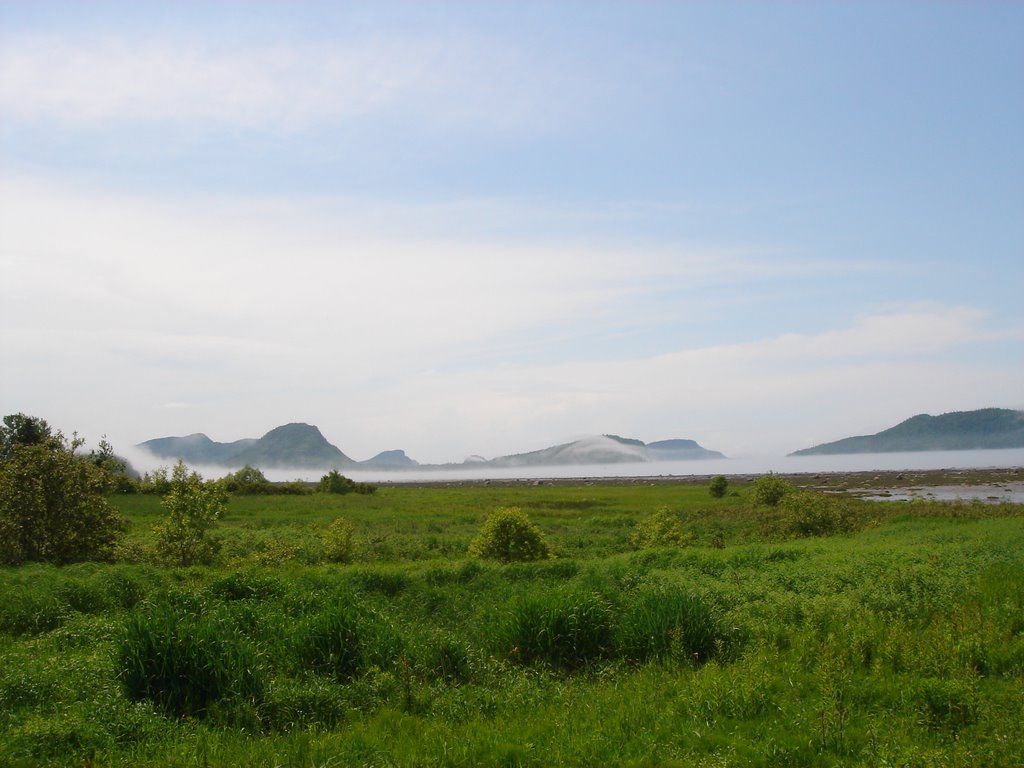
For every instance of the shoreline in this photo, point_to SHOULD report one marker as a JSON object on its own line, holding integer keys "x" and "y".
{"x": 856, "y": 480}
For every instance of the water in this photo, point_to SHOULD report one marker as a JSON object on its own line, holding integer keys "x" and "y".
{"x": 755, "y": 465}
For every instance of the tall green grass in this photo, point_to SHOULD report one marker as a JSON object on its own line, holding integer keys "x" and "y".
{"x": 186, "y": 658}
{"x": 898, "y": 643}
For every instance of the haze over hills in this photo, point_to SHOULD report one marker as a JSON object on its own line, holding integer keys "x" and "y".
{"x": 299, "y": 446}
{"x": 302, "y": 446}
{"x": 961, "y": 430}
{"x": 607, "y": 449}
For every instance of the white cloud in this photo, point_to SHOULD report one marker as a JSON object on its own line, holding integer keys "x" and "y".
{"x": 283, "y": 87}
{"x": 247, "y": 315}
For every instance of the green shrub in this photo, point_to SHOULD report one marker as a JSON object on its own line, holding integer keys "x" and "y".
{"x": 52, "y": 502}
{"x": 717, "y": 486}
{"x": 339, "y": 541}
{"x": 250, "y": 481}
{"x": 662, "y": 528}
{"x": 768, "y": 490}
{"x": 509, "y": 536}
{"x": 335, "y": 482}
{"x": 184, "y": 660}
{"x": 806, "y": 513}
{"x": 193, "y": 509}
{"x": 565, "y": 630}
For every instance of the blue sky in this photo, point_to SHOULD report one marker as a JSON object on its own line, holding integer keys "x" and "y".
{"x": 484, "y": 228}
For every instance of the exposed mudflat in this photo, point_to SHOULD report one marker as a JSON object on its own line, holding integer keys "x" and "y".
{"x": 991, "y": 485}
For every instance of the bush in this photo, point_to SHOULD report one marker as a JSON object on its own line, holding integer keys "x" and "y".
{"x": 52, "y": 505}
{"x": 662, "y": 528}
{"x": 247, "y": 481}
{"x": 717, "y": 486}
{"x": 339, "y": 541}
{"x": 335, "y": 482}
{"x": 768, "y": 490}
{"x": 509, "y": 536}
{"x": 193, "y": 508}
{"x": 184, "y": 661}
{"x": 250, "y": 481}
{"x": 156, "y": 482}
{"x": 805, "y": 513}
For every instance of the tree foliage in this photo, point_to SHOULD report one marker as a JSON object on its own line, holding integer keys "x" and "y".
{"x": 768, "y": 490}
{"x": 717, "y": 486}
{"x": 335, "y": 482}
{"x": 52, "y": 501}
{"x": 193, "y": 507}
{"x": 509, "y": 536}
{"x": 250, "y": 481}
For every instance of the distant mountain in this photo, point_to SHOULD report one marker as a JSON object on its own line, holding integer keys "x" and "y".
{"x": 957, "y": 431}
{"x": 196, "y": 449}
{"x": 294, "y": 445}
{"x": 299, "y": 446}
{"x": 607, "y": 449}
{"x": 302, "y": 446}
{"x": 390, "y": 459}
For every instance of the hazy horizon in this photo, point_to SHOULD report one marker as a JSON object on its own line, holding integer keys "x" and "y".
{"x": 454, "y": 228}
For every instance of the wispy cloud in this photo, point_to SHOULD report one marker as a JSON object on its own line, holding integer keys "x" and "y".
{"x": 444, "y": 82}
{"x": 258, "y": 311}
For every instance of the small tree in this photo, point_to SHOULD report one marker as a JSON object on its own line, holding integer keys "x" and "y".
{"x": 19, "y": 429}
{"x": 193, "y": 508}
{"x": 246, "y": 481}
{"x": 339, "y": 541}
{"x": 508, "y": 535}
{"x": 335, "y": 482}
{"x": 52, "y": 505}
{"x": 770, "y": 489}
{"x": 717, "y": 486}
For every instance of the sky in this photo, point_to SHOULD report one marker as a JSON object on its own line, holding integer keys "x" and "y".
{"x": 463, "y": 228}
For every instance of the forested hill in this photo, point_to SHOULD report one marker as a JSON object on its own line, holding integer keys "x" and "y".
{"x": 957, "y": 431}
{"x": 291, "y": 445}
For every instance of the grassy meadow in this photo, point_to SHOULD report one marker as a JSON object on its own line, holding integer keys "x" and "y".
{"x": 668, "y": 628}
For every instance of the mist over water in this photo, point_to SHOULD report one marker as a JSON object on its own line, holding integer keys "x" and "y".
{"x": 753, "y": 465}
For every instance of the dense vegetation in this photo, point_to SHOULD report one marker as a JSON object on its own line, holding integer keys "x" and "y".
{"x": 627, "y": 624}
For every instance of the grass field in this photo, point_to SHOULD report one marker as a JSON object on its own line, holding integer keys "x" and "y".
{"x": 896, "y": 641}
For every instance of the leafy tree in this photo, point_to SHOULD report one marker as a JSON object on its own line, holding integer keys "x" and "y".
{"x": 52, "y": 502}
{"x": 508, "y": 535}
{"x": 250, "y": 481}
{"x": 193, "y": 508}
{"x": 19, "y": 429}
{"x": 770, "y": 489}
{"x": 119, "y": 474}
{"x": 717, "y": 486}
{"x": 335, "y": 482}
{"x": 246, "y": 481}
{"x": 156, "y": 482}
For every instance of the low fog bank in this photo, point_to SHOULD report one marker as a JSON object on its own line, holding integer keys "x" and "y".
{"x": 752, "y": 465}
